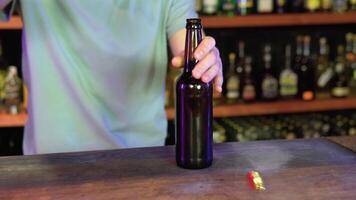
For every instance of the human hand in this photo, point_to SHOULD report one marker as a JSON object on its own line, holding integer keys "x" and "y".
{"x": 209, "y": 66}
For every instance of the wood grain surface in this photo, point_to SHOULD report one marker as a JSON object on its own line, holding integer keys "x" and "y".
{"x": 298, "y": 169}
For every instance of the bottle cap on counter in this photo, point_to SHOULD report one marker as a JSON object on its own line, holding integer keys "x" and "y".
{"x": 255, "y": 180}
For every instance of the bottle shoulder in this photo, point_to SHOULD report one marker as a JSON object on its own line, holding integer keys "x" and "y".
{"x": 287, "y": 72}
{"x": 186, "y": 81}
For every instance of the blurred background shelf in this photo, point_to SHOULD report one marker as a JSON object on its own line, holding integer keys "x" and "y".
{"x": 236, "y": 110}
{"x": 7, "y": 120}
{"x": 269, "y": 20}
{"x": 278, "y": 107}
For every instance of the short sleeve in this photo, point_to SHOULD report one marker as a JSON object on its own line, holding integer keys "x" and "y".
{"x": 6, "y": 13}
{"x": 179, "y": 11}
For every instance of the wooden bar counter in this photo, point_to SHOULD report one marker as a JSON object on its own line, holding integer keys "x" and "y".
{"x": 298, "y": 169}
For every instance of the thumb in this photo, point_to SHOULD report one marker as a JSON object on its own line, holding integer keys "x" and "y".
{"x": 178, "y": 61}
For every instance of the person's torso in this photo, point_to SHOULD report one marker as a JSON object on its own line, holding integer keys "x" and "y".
{"x": 95, "y": 70}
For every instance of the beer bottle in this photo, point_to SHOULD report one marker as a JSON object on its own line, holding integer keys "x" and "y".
{"x": 194, "y": 109}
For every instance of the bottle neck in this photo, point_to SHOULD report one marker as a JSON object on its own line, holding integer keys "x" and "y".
{"x": 324, "y": 50}
{"x": 306, "y": 50}
{"x": 340, "y": 53}
{"x": 267, "y": 58}
{"x": 288, "y": 57}
{"x": 247, "y": 68}
{"x": 241, "y": 50}
{"x": 192, "y": 40}
{"x": 268, "y": 67}
{"x": 232, "y": 66}
{"x": 299, "y": 50}
{"x": 349, "y": 46}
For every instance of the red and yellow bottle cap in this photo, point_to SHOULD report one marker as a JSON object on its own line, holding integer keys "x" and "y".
{"x": 255, "y": 180}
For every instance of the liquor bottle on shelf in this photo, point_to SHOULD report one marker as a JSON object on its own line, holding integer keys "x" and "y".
{"x": 265, "y": 6}
{"x": 245, "y": 7}
{"x": 199, "y": 6}
{"x": 194, "y": 109}
{"x": 3, "y": 72}
{"x": 269, "y": 85}
{"x": 280, "y": 6}
{"x": 288, "y": 79}
{"x": 350, "y": 56}
{"x": 352, "y": 5}
{"x": 219, "y": 133}
{"x": 241, "y": 56}
{"x": 210, "y": 7}
{"x": 324, "y": 71}
{"x": 349, "y": 48}
{"x": 326, "y": 5}
{"x": 353, "y": 69}
{"x": 298, "y": 53}
{"x": 312, "y": 5}
{"x": 232, "y": 81}
{"x": 248, "y": 89}
{"x": 12, "y": 89}
{"x": 306, "y": 73}
{"x": 240, "y": 63}
{"x": 228, "y": 7}
{"x": 297, "y": 5}
{"x": 340, "y": 87}
{"x": 340, "y": 6}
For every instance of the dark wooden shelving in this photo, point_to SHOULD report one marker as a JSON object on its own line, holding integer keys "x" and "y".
{"x": 7, "y": 120}
{"x": 293, "y": 19}
{"x": 235, "y": 110}
{"x": 278, "y": 107}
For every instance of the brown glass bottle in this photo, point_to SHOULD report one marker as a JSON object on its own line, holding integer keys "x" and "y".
{"x": 194, "y": 109}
